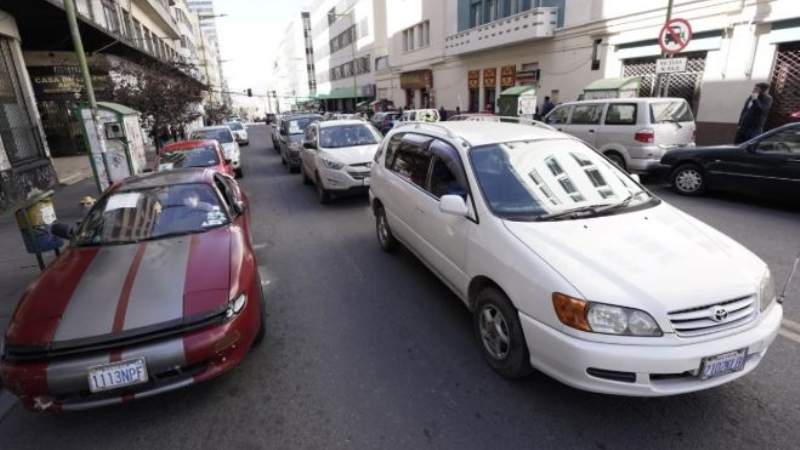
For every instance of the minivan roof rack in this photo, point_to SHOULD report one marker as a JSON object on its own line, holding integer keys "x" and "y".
{"x": 418, "y": 124}
{"x": 504, "y": 119}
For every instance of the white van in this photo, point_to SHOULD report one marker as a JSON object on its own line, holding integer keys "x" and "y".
{"x": 633, "y": 132}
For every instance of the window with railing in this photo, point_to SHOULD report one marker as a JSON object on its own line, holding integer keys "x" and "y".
{"x": 417, "y": 36}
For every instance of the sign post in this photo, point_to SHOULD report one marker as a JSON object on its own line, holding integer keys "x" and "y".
{"x": 673, "y": 38}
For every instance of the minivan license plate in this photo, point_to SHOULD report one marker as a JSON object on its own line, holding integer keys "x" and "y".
{"x": 117, "y": 375}
{"x": 714, "y": 366}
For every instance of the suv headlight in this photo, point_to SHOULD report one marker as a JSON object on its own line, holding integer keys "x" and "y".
{"x": 235, "y": 305}
{"x": 766, "y": 290}
{"x": 331, "y": 164}
{"x": 602, "y": 318}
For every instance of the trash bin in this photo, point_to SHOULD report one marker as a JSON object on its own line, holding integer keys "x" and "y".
{"x": 34, "y": 219}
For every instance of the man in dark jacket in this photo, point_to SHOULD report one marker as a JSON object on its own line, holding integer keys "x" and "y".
{"x": 754, "y": 114}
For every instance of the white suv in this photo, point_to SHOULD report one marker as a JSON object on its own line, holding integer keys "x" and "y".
{"x": 633, "y": 132}
{"x": 337, "y": 155}
{"x": 568, "y": 264}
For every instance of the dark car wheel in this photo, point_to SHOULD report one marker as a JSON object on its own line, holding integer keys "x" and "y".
{"x": 688, "y": 179}
{"x": 617, "y": 159}
{"x": 386, "y": 239}
{"x": 499, "y": 334}
{"x": 239, "y": 173}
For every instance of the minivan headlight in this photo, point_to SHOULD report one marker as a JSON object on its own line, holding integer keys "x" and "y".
{"x": 766, "y": 290}
{"x": 603, "y": 318}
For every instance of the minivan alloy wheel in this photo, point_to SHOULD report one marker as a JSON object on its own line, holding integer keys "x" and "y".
{"x": 494, "y": 332}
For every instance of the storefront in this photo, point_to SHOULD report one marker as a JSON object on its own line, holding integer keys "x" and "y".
{"x": 489, "y": 89}
{"x": 418, "y": 86}
{"x": 474, "y": 85}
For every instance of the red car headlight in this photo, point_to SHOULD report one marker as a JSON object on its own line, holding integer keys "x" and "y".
{"x": 236, "y": 305}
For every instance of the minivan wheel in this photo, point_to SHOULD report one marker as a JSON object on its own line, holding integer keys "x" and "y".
{"x": 499, "y": 333}
{"x": 688, "y": 179}
{"x": 385, "y": 237}
{"x": 617, "y": 159}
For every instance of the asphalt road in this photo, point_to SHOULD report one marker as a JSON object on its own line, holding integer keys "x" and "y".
{"x": 367, "y": 350}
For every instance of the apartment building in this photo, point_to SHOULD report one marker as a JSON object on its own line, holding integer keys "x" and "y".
{"x": 293, "y": 68}
{"x": 204, "y": 9}
{"x": 349, "y": 41}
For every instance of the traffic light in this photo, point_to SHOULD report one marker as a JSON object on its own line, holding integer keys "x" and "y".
{"x": 249, "y": 92}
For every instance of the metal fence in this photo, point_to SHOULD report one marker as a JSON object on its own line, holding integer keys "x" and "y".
{"x": 785, "y": 85}
{"x": 17, "y": 131}
{"x": 685, "y": 85}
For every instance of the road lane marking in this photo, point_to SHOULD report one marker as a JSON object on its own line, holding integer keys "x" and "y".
{"x": 792, "y": 325}
{"x": 792, "y": 336}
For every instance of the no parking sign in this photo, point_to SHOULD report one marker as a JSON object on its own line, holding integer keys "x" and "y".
{"x": 675, "y": 36}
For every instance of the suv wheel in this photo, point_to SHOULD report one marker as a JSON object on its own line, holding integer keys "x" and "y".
{"x": 386, "y": 239}
{"x": 306, "y": 179}
{"x": 499, "y": 332}
{"x": 688, "y": 179}
{"x": 617, "y": 159}
{"x": 322, "y": 194}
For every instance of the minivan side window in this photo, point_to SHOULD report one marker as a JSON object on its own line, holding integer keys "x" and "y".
{"x": 621, "y": 114}
{"x": 391, "y": 148}
{"x": 411, "y": 160}
{"x": 559, "y": 115}
{"x": 587, "y": 114}
{"x": 447, "y": 173}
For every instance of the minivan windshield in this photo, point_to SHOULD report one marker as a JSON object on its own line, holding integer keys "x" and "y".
{"x": 151, "y": 213}
{"x": 677, "y": 111}
{"x": 222, "y": 135}
{"x": 346, "y": 136}
{"x": 552, "y": 180}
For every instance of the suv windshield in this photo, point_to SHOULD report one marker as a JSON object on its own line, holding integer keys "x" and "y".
{"x": 152, "y": 213}
{"x": 205, "y": 156}
{"x": 222, "y": 135}
{"x": 346, "y": 136}
{"x": 678, "y": 111}
{"x": 235, "y": 126}
{"x": 298, "y": 126}
{"x": 553, "y": 179}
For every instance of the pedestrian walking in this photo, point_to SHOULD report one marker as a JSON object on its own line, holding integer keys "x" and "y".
{"x": 547, "y": 106}
{"x": 754, "y": 114}
{"x": 442, "y": 114}
{"x": 458, "y": 111}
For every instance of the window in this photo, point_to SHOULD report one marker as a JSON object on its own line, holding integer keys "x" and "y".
{"x": 111, "y": 16}
{"x": 409, "y": 43}
{"x": 587, "y": 114}
{"x": 331, "y": 16}
{"x": 595, "y": 52}
{"x": 677, "y": 111}
{"x": 560, "y": 115}
{"x": 412, "y": 158}
{"x": 126, "y": 24}
{"x": 785, "y": 142}
{"x": 392, "y": 147}
{"x": 137, "y": 34}
{"x": 447, "y": 173}
{"x": 492, "y": 10}
{"x": 475, "y": 15}
{"x": 621, "y": 114}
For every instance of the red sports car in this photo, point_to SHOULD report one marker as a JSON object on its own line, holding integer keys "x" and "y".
{"x": 158, "y": 289}
{"x": 194, "y": 153}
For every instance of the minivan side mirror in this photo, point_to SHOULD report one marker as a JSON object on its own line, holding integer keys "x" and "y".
{"x": 62, "y": 230}
{"x": 309, "y": 145}
{"x": 453, "y": 205}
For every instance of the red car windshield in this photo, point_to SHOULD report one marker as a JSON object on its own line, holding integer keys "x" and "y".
{"x": 152, "y": 213}
{"x": 205, "y": 156}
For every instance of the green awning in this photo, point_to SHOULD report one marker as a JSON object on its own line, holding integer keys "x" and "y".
{"x": 614, "y": 84}
{"x": 337, "y": 93}
{"x": 518, "y": 90}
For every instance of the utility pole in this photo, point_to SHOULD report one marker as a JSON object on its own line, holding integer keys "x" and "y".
{"x": 663, "y": 91}
{"x": 72, "y": 21}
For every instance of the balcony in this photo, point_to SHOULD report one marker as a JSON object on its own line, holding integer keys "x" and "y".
{"x": 536, "y": 23}
{"x": 158, "y": 12}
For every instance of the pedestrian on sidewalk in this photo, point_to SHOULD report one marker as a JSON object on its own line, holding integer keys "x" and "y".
{"x": 547, "y": 106}
{"x": 442, "y": 113}
{"x": 754, "y": 114}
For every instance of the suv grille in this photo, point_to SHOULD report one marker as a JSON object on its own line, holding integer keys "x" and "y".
{"x": 714, "y": 317}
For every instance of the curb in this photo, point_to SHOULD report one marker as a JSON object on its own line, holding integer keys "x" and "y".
{"x": 74, "y": 178}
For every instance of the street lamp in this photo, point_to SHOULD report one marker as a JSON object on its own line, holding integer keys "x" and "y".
{"x": 353, "y": 50}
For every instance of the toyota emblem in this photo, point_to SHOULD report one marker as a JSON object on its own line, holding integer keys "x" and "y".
{"x": 720, "y": 314}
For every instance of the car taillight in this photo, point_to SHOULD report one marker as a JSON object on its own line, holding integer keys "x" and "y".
{"x": 646, "y": 136}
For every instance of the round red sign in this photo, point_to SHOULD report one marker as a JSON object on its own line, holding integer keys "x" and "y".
{"x": 675, "y": 35}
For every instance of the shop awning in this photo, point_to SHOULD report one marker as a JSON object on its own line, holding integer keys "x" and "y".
{"x": 518, "y": 90}
{"x": 337, "y": 93}
{"x": 614, "y": 84}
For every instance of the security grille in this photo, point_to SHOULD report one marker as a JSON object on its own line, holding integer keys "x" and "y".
{"x": 16, "y": 130}
{"x": 784, "y": 85}
{"x": 683, "y": 85}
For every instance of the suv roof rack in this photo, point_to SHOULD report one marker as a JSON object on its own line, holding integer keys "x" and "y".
{"x": 504, "y": 119}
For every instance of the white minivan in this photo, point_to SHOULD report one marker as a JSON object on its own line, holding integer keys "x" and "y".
{"x": 568, "y": 264}
{"x": 633, "y": 132}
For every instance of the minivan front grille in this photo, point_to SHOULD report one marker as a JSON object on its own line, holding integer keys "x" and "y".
{"x": 715, "y": 317}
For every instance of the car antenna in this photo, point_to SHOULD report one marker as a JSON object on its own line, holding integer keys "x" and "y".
{"x": 782, "y": 295}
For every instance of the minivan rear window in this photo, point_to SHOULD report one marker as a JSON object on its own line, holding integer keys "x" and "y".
{"x": 678, "y": 111}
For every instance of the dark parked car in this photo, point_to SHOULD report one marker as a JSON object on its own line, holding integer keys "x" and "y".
{"x": 384, "y": 121}
{"x": 768, "y": 165}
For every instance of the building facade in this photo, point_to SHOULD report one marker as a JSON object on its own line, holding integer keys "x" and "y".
{"x": 292, "y": 68}
{"x": 465, "y": 53}
{"x": 24, "y": 157}
{"x": 204, "y": 10}
{"x": 349, "y": 41}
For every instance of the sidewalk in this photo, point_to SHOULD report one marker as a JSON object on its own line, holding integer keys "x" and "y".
{"x": 72, "y": 169}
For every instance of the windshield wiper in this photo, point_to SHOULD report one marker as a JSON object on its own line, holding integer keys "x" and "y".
{"x": 574, "y": 212}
